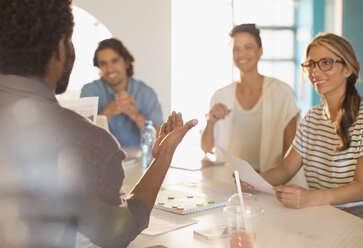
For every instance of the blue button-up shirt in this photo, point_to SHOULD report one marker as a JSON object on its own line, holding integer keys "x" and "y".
{"x": 121, "y": 126}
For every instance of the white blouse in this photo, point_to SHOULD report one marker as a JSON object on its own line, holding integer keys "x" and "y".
{"x": 245, "y": 137}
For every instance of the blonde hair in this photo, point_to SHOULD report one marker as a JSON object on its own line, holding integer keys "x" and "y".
{"x": 350, "y": 106}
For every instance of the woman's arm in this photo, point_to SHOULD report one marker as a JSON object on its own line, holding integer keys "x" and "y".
{"x": 207, "y": 140}
{"x": 288, "y": 167}
{"x": 350, "y": 192}
{"x": 294, "y": 196}
{"x": 289, "y": 134}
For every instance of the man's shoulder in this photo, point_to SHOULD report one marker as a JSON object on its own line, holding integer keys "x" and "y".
{"x": 139, "y": 84}
{"x": 140, "y": 88}
{"x": 87, "y": 134}
{"x": 73, "y": 121}
{"x": 94, "y": 84}
{"x": 95, "y": 88}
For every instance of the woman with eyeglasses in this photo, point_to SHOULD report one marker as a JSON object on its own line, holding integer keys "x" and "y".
{"x": 254, "y": 118}
{"x": 329, "y": 140}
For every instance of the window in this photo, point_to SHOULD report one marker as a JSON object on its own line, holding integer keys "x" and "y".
{"x": 88, "y": 31}
{"x": 276, "y": 21}
{"x": 201, "y": 56}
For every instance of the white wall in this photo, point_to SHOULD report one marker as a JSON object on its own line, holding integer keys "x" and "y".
{"x": 145, "y": 28}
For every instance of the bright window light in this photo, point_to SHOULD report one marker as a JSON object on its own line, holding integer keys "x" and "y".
{"x": 88, "y": 31}
{"x": 201, "y": 55}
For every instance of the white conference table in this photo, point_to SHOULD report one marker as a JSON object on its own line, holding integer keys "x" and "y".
{"x": 323, "y": 226}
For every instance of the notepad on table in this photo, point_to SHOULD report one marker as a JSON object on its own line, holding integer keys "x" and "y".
{"x": 185, "y": 203}
{"x": 192, "y": 197}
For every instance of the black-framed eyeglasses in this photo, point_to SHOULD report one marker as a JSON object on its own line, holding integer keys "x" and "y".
{"x": 325, "y": 64}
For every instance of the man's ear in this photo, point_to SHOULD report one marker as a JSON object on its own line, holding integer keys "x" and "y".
{"x": 127, "y": 62}
{"x": 60, "y": 51}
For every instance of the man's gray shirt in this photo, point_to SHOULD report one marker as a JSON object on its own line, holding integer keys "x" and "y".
{"x": 59, "y": 173}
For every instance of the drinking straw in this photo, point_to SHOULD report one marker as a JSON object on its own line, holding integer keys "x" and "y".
{"x": 236, "y": 175}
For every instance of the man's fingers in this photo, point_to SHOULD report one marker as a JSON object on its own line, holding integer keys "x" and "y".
{"x": 179, "y": 120}
{"x": 163, "y": 129}
{"x": 190, "y": 124}
{"x": 121, "y": 96}
{"x": 186, "y": 127}
{"x": 168, "y": 125}
{"x": 132, "y": 100}
{"x": 173, "y": 120}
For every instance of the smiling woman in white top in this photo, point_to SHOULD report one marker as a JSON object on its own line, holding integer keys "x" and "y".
{"x": 254, "y": 118}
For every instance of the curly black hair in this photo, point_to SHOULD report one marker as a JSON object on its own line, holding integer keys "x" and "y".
{"x": 30, "y": 31}
{"x": 119, "y": 48}
{"x": 247, "y": 28}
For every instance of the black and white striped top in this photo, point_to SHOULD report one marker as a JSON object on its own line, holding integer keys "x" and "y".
{"x": 316, "y": 139}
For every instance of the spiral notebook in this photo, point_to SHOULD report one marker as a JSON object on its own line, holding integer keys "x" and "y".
{"x": 184, "y": 200}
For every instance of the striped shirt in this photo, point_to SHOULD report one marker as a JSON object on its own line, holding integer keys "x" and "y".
{"x": 315, "y": 141}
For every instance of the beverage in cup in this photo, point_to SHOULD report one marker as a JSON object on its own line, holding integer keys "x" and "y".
{"x": 240, "y": 238}
{"x": 240, "y": 234}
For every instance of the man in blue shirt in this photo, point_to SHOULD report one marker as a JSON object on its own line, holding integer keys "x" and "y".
{"x": 126, "y": 102}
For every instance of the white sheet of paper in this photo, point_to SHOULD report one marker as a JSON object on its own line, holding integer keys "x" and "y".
{"x": 247, "y": 173}
{"x": 162, "y": 223}
{"x": 85, "y": 106}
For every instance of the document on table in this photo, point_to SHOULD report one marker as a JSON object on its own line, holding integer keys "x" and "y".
{"x": 247, "y": 173}
{"x": 161, "y": 222}
{"x": 85, "y": 106}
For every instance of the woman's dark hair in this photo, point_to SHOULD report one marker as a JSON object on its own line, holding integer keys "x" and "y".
{"x": 30, "y": 32}
{"x": 247, "y": 28}
{"x": 350, "y": 105}
{"x": 119, "y": 48}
